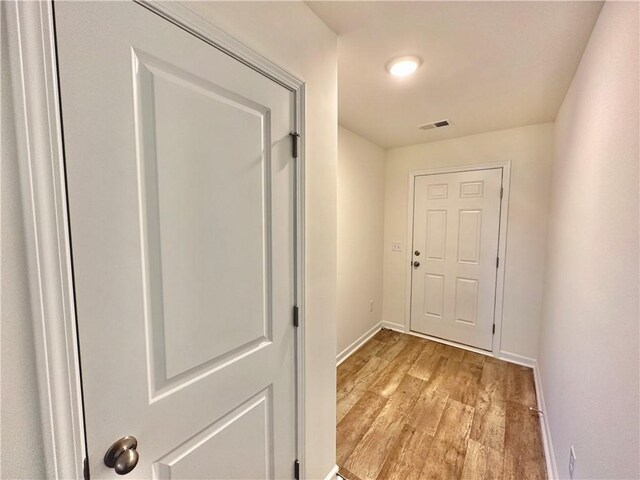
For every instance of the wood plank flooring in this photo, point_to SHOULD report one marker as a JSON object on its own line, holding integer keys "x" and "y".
{"x": 412, "y": 409}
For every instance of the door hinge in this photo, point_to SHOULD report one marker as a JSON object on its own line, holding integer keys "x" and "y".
{"x": 296, "y": 316}
{"x": 296, "y": 470}
{"x": 501, "y": 191}
{"x": 295, "y": 143}
{"x": 85, "y": 469}
{"x": 497, "y": 262}
{"x": 494, "y": 329}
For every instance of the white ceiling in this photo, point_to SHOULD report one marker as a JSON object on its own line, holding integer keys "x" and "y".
{"x": 486, "y": 65}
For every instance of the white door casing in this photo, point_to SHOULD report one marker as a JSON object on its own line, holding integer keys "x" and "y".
{"x": 456, "y": 222}
{"x": 181, "y": 190}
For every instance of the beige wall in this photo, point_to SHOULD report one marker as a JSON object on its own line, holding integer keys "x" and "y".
{"x": 589, "y": 361}
{"x": 290, "y": 35}
{"x": 530, "y": 151}
{"x": 360, "y": 233}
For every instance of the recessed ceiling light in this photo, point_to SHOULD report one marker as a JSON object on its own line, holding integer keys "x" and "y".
{"x": 403, "y": 66}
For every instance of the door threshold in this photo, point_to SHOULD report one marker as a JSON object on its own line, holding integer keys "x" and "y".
{"x": 462, "y": 346}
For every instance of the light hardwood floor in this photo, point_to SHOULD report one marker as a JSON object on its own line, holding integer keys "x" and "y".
{"x": 411, "y": 409}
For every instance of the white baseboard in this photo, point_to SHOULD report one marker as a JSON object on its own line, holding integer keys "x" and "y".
{"x": 518, "y": 359}
{"x": 398, "y": 327}
{"x": 332, "y": 473}
{"x": 343, "y": 355}
{"x": 549, "y": 454}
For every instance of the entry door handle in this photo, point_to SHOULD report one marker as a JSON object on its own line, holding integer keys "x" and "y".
{"x": 416, "y": 264}
{"x": 122, "y": 456}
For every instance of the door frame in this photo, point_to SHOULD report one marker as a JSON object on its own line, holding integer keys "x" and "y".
{"x": 502, "y": 247}
{"x": 35, "y": 92}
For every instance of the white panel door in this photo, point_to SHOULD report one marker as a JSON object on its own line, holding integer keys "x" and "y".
{"x": 181, "y": 195}
{"x": 456, "y": 220}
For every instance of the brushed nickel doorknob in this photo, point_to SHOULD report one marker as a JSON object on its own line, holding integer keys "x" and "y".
{"x": 122, "y": 456}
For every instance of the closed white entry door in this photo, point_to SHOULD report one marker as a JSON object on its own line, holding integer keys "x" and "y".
{"x": 181, "y": 187}
{"x": 456, "y": 221}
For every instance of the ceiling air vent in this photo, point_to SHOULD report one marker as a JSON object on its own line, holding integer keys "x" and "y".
{"x": 438, "y": 124}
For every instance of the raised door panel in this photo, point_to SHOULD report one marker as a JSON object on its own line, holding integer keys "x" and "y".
{"x": 438, "y": 191}
{"x": 205, "y": 221}
{"x": 436, "y": 235}
{"x": 466, "y": 301}
{"x": 471, "y": 189}
{"x": 238, "y": 446}
{"x": 469, "y": 236}
{"x": 433, "y": 295}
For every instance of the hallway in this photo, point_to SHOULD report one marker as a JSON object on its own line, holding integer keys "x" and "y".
{"x": 409, "y": 408}
{"x": 345, "y": 240}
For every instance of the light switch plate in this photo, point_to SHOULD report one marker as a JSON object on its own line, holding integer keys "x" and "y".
{"x": 396, "y": 246}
